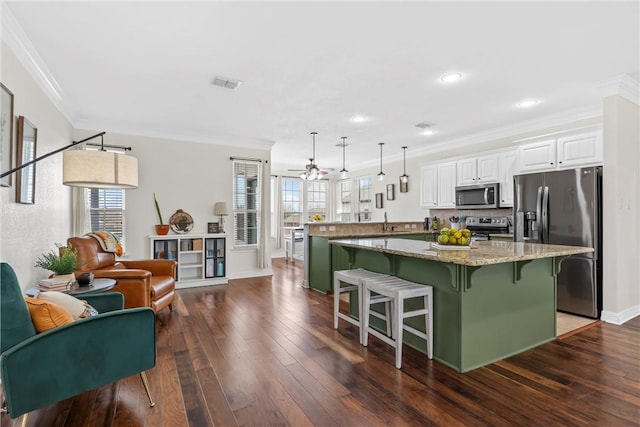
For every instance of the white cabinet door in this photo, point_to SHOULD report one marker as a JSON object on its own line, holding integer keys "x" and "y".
{"x": 429, "y": 186}
{"x": 447, "y": 185}
{"x": 467, "y": 171}
{"x": 509, "y": 168}
{"x": 538, "y": 156}
{"x": 579, "y": 150}
{"x": 488, "y": 170}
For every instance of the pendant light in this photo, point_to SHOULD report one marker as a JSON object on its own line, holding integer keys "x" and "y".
{"x": 381, "y": 174}
{"x": 404, "y": 178}
{"x": 344, "y": 171}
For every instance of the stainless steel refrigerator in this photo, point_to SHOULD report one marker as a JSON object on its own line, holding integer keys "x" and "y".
{"x": 565, "y": 208}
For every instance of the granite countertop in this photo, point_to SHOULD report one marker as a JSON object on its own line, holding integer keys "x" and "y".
{"x": 481, "y": 253}
{"x": 356, "y": 234}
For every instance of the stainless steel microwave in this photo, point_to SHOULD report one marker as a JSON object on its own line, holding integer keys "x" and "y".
{"x": 484, "y": 196}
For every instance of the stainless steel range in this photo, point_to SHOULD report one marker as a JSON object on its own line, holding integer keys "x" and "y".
{"x": 482, "y": 226}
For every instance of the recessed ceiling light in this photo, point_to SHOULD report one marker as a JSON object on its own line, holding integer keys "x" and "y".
{"x": 451, "y": 77}
{"x": 428, "y": 132}
{"x": 359, "y": 119}
{"x": 526, "y": 103}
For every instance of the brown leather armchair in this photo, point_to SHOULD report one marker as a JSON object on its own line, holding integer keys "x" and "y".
{"x": 144, "y": 283}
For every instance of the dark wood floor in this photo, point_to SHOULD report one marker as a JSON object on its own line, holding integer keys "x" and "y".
{"x": 263, "y": 352}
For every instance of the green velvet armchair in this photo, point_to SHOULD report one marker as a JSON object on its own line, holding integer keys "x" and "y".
{"x": 40, "y": 369}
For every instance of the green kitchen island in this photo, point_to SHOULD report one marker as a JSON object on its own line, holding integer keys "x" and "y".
{"x": 490, "y": 302}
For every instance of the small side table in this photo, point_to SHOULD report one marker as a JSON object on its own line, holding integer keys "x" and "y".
{"x": 98, "y": 285}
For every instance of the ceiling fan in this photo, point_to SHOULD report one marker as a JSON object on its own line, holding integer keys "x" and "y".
{"x": 311, "y": 171}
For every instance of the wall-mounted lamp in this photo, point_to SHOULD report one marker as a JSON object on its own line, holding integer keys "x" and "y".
{"x": 404, "y": 178}
{"x": 93, "y": 168}
{"x": 343, "y": 171}
{"x": 381, "y": 174}
{"x": 220, "y": 209}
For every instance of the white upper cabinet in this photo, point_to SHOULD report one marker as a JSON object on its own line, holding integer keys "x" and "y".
{"x": 477, "y": 170}
{"x": 538, "y": 156}
{"x": 488, "y": 169}
{"x": 447, "y": 185}
{"x": 508, "y": 168}
{"x": 573, "y": 150}
{"x": 579, "y": 150}
{"x": 429, "y": 186}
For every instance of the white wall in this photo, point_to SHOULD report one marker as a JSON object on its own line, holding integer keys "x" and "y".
{"x": 184, "y": 175}
{"x": 26, "y": 231}
{"x": 621, "y": 190}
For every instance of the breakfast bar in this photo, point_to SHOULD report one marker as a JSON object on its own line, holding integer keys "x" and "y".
{"x": 491, "y": 301}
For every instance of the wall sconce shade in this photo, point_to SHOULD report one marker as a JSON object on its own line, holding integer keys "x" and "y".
{"x": 99, "y": 169}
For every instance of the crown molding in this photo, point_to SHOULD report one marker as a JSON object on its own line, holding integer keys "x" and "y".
{"x": 624, "y": 86}
{"x": 514, "y": 130}
{"x": 16, "y": 39}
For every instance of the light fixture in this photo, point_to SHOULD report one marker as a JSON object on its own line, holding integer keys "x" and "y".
{"x": 381, "y": 174}
{"x": 93, "y": 168}
{"x": 451, "y": 77}
{"x": 220, "y": 209}
{"x": 359, "y": 119}
{"x": 312, "y": 172}
{"x": 404, "y": 178}
{"x": 428, "y": 132}
{"x": 343, "y": 171}
{"x": 526, "y": 103}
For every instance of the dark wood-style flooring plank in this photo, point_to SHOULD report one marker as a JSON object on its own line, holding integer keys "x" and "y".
{"x": 263, "y": 351}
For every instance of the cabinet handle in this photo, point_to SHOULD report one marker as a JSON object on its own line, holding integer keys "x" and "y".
{"x": 551, "y": 163}
{"x": 560, "y": 162}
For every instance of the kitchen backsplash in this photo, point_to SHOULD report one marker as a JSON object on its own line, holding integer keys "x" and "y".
{"x": 444, "y": 214}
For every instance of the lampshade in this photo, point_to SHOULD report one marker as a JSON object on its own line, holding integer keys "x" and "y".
{"x": 99, "y": 169}
{"x": 220, "y": 209}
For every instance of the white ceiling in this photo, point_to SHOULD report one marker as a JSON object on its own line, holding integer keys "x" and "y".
{"x": 146, "y": 68}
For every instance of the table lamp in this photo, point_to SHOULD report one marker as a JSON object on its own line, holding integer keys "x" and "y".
{"x": 220, "y": 209}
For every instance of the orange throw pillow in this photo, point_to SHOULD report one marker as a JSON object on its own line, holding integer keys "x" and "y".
{"x": 46, "y": 315}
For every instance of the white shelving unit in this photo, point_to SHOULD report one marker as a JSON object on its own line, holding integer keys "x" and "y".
{"x": 201, "y": 258}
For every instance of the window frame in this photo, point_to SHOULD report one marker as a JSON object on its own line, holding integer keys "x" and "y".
{"x": 255, "y": 196}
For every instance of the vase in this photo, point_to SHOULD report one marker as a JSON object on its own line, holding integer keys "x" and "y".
{"x": 162, "y": 229}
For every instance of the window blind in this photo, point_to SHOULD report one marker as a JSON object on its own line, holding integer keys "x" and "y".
{"x": 246, "y": 201}
{"x": 106, "y": 211}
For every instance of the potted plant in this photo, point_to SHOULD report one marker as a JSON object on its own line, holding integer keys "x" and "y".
{"x": 162, "y": 228}
{"x": 62, "y": 262}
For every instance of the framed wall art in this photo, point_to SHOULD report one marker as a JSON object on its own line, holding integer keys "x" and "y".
{"x": 26, "y": 152}
{"x": 378, "y": 200}
{"x": 391, "y": 191}
{"x": 6, "y": 133}
{"x": 213, "y": 228}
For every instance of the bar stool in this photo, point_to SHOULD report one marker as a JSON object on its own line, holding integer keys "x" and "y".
{"x": 398, "y": 290}
{"x": 356, "y": 279}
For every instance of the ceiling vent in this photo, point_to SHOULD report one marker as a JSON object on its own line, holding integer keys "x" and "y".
{"x": 226, "y": 83}
{"x": 424, "y": 125}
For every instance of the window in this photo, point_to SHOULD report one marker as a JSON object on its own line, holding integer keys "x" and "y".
{"x": 316, "y": 199}
{"x": 246, "y": 201}
{"x": 106, "y": 211}
{"x": 364, "y": 199}
{"x": 291, "y": 202}
{"x": 344, "y": 201}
